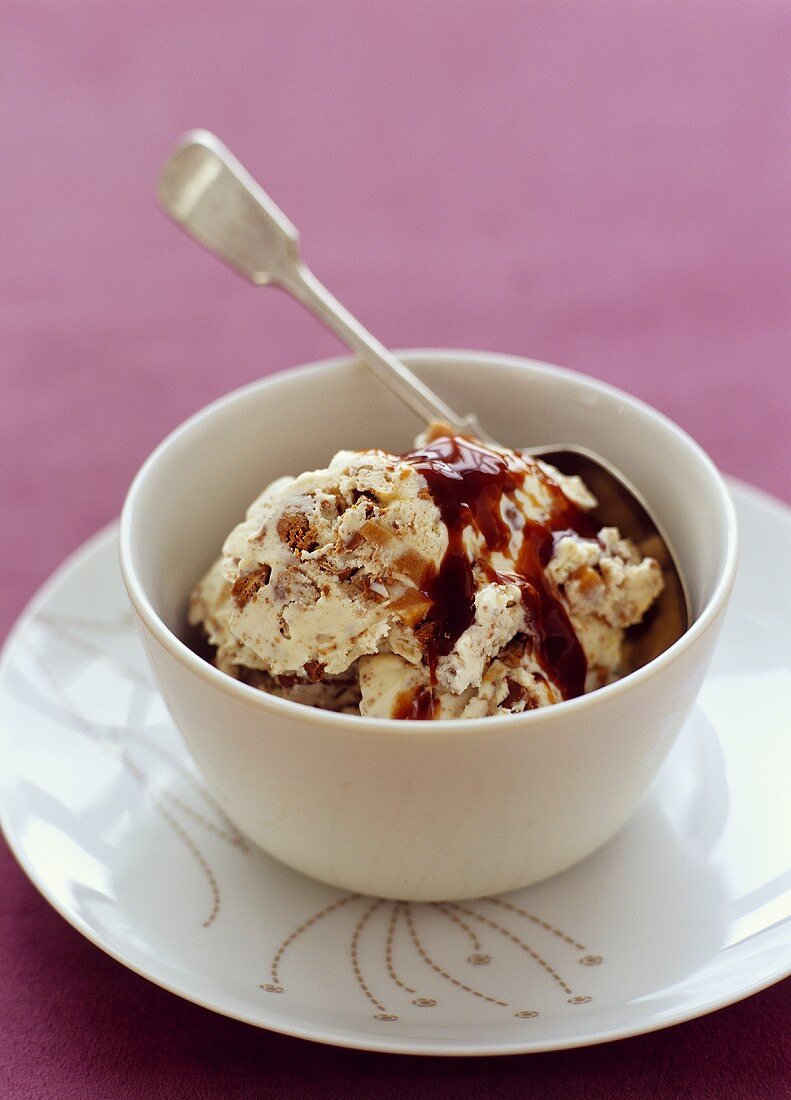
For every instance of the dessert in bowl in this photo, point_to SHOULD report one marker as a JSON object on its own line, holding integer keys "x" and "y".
{"x": 432, "y": 808}
{"x": 458, "y": 580}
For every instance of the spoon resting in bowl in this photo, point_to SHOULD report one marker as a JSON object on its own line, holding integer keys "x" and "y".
{"x": 207, "y": 192}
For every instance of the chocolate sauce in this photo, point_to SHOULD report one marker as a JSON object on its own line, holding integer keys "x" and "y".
{"x": 467, "y": 482}
{"x": 414, "y": 704}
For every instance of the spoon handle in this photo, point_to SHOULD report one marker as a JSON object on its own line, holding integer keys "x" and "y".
{"x": 303, "y": 285}
{"x": 208, "y": 193}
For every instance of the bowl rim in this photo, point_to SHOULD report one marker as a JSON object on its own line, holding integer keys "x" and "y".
{"x": 274, "y": 707}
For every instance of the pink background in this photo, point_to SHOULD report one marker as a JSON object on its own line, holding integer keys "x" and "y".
{"x": 601, "y": 183}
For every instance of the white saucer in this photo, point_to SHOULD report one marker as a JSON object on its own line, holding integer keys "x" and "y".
{"x": 685, "y": 911}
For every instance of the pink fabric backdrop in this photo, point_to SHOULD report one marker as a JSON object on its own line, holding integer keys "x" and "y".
{"x": 601, "y": 183}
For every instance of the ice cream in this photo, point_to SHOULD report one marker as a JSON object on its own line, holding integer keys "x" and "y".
{"x": 455, "y": 581}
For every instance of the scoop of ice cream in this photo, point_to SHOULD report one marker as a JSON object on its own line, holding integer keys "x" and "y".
{"x": 457, "y": 580}
{"x": 330, "y": 567}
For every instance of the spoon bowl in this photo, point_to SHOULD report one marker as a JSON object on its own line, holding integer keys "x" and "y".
{"x": 620, "y": 504}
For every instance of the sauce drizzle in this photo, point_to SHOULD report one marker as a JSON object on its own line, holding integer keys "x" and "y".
{"x": 468, "y": 482}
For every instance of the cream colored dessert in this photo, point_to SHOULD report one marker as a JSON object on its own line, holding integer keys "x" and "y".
{"x": 456, "y": 581}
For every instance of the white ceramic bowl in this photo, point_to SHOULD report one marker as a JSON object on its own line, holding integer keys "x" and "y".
{"x": 419, "y": 810}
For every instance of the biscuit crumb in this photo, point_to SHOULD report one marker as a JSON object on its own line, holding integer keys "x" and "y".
{"x": 297, "y": 532}
{"x": 245, "y": 586}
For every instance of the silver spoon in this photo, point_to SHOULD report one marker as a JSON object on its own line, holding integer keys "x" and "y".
{"x": 215, "y": 200}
